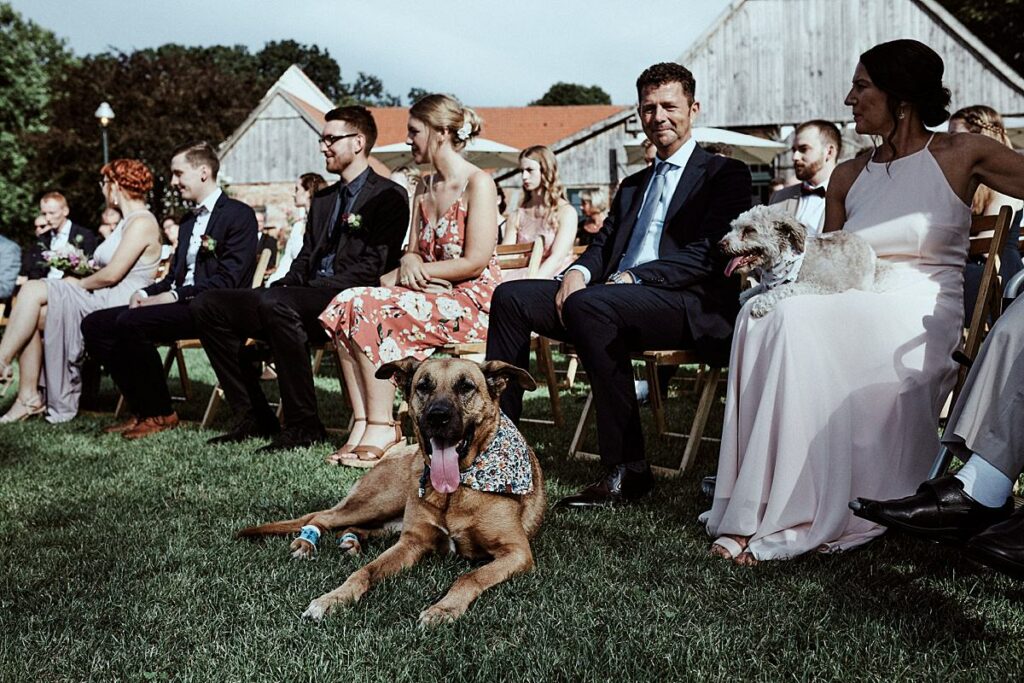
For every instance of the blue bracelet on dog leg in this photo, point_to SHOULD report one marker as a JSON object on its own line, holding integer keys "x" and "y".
{"x": 348, "y": 536}
{"x": 311, "y": 534}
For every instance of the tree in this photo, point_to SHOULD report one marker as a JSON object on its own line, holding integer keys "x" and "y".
{"x": 572, "y": 93}
{"x": 322, "y": 69}
{"x": 32, "y": 63}
{"x": 416, "y": 94}
{"x": 998, "y": 23}
{"x": 368, "y": 90}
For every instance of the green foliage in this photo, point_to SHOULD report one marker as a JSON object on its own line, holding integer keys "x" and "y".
{"x": 416, "y": 94}
{"x": 32, "y": 62}
{"x": 998, "y": 23}
{"x": 572, "y": 93}
{"x": 276, "y": 56}
{"x": 368, "y": 90}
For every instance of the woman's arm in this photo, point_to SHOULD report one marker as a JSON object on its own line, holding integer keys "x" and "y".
{"x": 481, "y": 233}
{"x": 409, "y": 272}
{"x": 511, "y": 228}
{"x": 995, "y": 165}
{"x": 565, "y": 235}
{"x": 839, "y": 184}
{"x": 136, "y": 236}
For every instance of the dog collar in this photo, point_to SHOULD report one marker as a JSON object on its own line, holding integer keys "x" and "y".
{"x": 784, "y": 272}
{"x": 502, "y": 467}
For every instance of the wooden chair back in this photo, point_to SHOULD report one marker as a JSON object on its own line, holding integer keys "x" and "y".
{"x": 527, "y": 255}
{"x": 261, "y": 269}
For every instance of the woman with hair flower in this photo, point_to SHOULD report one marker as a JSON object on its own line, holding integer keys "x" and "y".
{"x": 127, "y": 261}
{"x": 441, "y": 292}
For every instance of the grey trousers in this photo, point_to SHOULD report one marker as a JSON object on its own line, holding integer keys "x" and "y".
{"x": 988, "y": 418}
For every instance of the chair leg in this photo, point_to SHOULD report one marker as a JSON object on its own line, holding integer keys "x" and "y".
{"x": 700, "y": 419}
{"x": 211, "y": 407}
{"x": 654, "y": 395}
{"x": 941, "y": 464}
{"x": 318, "y": 358}
{"x": 571, "y": 370}
{"x": 120, "y": 406}
{"x": 545, "y": 364}
{"x": 581, "y": 426}
{"x": 186, "y": 383}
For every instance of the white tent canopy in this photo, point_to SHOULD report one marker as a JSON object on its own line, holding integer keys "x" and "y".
{"x": 479, "y": 151}
{"x": 747, "y": 148}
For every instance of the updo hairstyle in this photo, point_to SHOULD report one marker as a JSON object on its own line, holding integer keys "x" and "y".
{"x": 444, "y": 112}
{"x": 131, "y": 175}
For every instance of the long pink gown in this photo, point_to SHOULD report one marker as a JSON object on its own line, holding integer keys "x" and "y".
{"x": 832, "y": 397}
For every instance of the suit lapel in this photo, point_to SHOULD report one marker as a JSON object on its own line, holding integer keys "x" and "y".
{"x": 629, "y": 220}
{"x": 692, "y": 174}
{"x": 181, "y": 253}
{"x": 364, "y": 195}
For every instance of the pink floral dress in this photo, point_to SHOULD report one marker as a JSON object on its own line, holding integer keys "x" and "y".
{"x": 390, "y": 323}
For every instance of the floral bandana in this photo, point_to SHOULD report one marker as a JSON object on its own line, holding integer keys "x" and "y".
{"x": 785, "y": 272}
{"x": 502, "y": 467}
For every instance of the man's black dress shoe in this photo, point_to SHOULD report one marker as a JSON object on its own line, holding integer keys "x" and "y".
{"x": 618, "y": 486}
{"x": 247, "y": 428}
{"x": 1001, "y": 546}
{"x": 294, "y": 438}
{"x": 939, "y": 511}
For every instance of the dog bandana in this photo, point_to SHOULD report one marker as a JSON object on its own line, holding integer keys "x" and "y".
{"x": 502, "y": 467}
{"x": 785, "y": 271}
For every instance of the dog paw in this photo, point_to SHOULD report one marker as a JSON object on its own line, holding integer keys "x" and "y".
{"x": 350, "y": 546}
{"x": 302, "y": 549}
{"x": 435, "y": 616}
{"x": 318, "y": 609}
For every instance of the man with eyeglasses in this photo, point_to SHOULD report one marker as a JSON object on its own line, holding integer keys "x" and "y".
{"x": 353, "y": 236}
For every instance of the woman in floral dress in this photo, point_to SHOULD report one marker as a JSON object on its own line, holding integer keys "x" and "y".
{"x": 441, "y": 291}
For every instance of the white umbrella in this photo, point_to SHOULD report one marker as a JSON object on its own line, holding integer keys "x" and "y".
{"x": 747, "y": 148}
{"x": 479, "y": 151}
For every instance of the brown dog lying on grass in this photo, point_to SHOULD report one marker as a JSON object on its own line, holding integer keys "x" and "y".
{"x": 471, "y": 486}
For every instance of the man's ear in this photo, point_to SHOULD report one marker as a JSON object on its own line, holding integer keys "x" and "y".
{"x": 401, "y": 371}
{"x": 499, "y": 373}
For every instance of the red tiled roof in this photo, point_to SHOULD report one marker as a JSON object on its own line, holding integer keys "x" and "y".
{"x": 517, "y": 127}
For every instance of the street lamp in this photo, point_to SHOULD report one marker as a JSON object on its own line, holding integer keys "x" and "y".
{"x": 104, "y": 113}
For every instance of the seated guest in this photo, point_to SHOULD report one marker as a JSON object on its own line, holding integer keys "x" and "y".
{"x": 984, "y": 432}
{"x": 218, "y": 252}
{"x": 33, "y": 266}
{"x": 441, "y": 291}
{"x": 127, "y": 260}
{"x": 545, "y": 213}
{"x": 53, "y": 207}
{"x": 307, "y": 186}
{"x": 10, "y": 265}
{"x": 858, "y": 411}
{"x": 982, "y": 120}
{"x": 110, "y": 217}
{"x": 353, "y": 236}
{"x": 594, "y": 207}
{"x": 816, "y": 148}
{"x": 502, "y": 211}
{"x": 653, "y": 278}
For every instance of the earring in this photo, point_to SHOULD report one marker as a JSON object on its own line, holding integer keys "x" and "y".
{"x": 900, "y": 115}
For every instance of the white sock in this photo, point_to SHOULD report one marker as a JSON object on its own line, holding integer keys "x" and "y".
{"x": 984, "y": 483}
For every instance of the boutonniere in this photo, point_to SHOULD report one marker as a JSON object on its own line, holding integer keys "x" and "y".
{"x": 353, "y": 221}
{"x": 207, "y": 244}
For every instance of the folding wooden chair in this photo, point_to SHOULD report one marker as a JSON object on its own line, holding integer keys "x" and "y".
{"x": 175, "y": 350}
{"x": 988, "y": 235}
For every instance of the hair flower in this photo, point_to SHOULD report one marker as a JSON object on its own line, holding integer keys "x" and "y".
{"x": 463, "y": 133}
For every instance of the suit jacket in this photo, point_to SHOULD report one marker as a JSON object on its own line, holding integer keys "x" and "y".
{"x": 233, "y": 225}
{"x": 364, "y": 253}
{"x": 712, "y": 191}
{"x": 32, "y": 265}
{"x": 10, "y": 265}
{"x": 789, "y": 198}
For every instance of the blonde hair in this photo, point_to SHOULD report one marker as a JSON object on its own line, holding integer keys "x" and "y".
{"x": 552, "y": 192}
{"x": 598, "y": 199}
{"x": 983, "y": 120}
{"x": 445, "y": 113}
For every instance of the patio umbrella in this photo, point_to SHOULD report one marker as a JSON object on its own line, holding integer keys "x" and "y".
{"x": 747, "y": 148}
{"x": 479, "y": 151}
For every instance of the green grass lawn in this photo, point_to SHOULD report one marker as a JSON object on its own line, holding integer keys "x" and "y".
{"x": 118, "y": 563}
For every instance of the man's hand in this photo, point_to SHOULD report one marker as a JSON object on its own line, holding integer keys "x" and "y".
{"x": 136, "y": 300}
{"x": 622, "y": 278}
{"x": 571, "y": 283}
{"x": 165, "y": 298}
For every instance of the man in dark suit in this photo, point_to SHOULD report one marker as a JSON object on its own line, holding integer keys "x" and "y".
{"x": 217, "y": 251}
{"x": 653, "y": 278}
{"x": 353, "y": 236}
{"x": 57, "y": 231}
{"x": 816, "y": 148}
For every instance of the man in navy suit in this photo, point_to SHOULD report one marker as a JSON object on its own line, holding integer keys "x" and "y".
{"x": 653, "y": 278}
{"x": 336, "y": 254}
{"x": 58, "y": 230}
{"x": 217, "y": 250}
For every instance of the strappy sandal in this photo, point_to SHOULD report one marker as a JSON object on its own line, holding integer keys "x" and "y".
{"x": 31, "y": 410}
{"x": 357, "y": 458}
{"x": 727, "y": 548}
{"x": 345, "y": 451}
{"x": 6, "y": 378}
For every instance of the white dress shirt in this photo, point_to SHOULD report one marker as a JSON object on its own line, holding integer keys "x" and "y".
{"x": 652, "y": 240}
{"x": 203, "y": 209}
{"x": 810, "y": 208}
{"x": 61, "y": 237}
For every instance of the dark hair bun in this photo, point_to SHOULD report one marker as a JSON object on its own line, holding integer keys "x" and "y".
{"x": 910, "y": 71}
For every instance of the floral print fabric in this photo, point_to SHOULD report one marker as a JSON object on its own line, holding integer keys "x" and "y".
{"x": 391, "y": 323}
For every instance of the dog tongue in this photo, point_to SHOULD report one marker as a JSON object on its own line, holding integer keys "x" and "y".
{"x": 734, "y": 264}
{"x": 444, "y": 467}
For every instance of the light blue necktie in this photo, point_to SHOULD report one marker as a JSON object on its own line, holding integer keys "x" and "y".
{"x": 646, "y": 217}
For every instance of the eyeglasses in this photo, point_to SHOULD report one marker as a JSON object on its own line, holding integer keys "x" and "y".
{"x": 329, "y": 140}
{"x": 104, "y": 182}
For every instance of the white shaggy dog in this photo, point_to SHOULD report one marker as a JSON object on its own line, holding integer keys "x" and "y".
{"x": 774, "y": 245}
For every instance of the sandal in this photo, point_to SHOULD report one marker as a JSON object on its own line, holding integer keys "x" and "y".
{"x": 345, "y": 451}
{"x": 727, "y": 548}
{"x": 357, "y": 457}
{"x": 6, "y": 378}
{"x": 29, "y": 410}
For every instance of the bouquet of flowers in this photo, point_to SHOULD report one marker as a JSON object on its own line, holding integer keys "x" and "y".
{"x": 70, "y": 259}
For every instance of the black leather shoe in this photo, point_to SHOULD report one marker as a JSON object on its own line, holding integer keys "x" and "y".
{"x": 1001, "y": 546}
{"x": 618, "y": 486}
{"x": 294, "y": 438}
{"x": 939, "y": 511}
{"x": 247, "y": 428}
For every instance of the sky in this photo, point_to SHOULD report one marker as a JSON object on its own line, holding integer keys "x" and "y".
{"x": 486, "y": 52}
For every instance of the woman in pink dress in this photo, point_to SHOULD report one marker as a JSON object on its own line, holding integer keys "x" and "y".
{"x": 545, "y": 212}
{"x": 834, "y": 397}
{"x": 441, "y": 292}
